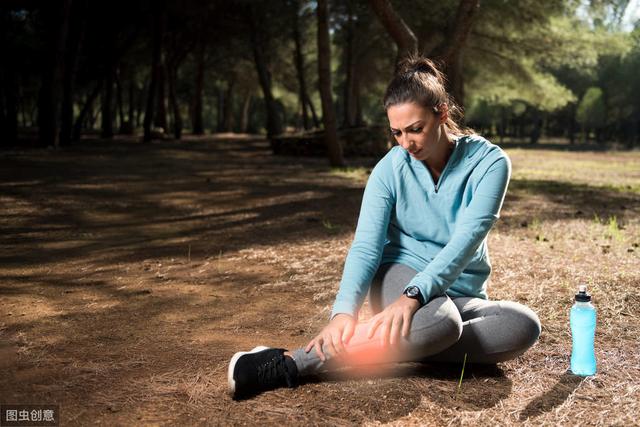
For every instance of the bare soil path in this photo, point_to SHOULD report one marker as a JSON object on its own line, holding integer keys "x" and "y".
{"x": 130, "y": 273}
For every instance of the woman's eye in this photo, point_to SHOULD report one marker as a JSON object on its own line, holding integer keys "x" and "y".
{"x": 395, "y": 133}
{"x": 416, "y": 130}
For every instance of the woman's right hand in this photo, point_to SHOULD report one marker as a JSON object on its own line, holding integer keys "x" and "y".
{"x": 334, "y": 336}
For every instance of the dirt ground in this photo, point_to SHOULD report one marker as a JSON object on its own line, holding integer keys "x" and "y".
{"x": 130, "y": 273}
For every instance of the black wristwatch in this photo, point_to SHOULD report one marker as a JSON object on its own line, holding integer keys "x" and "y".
{"x": 413, "y": 292}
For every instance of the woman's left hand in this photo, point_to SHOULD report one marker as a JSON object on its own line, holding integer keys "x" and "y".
{"x": 393, "y": 320}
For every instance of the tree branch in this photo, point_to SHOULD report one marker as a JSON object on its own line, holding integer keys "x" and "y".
{"x": 460, "y": 29}
{"x": 399, "y": 31}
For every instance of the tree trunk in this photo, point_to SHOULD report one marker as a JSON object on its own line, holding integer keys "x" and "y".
{"x": 455, "y": 79}
{"x": 77, "y": 127}
{"x": 316, "y": 120}
{"x": 503, "y": 124}
{"x": 9, "y": 134}
{"x": 33, "y": 113}
{"x": 405, "y": 40}
{"x": 258, "y": 44}
{"x": 359, "y": 120}
{"x": 456, "y": 39}
{"x": 51, "y": 89}
{"x": 161, "y": 107}
{"x": 5, "y": 20}
{"x": 299, "y": 61}
{"x": 76, "y": 38}
{"x": 158, "y": 34}
{"x": 572, "y": 124}
{"x": 198, "y": 127}
{"x": 244, "y": 119}
{"x": 22, "y": 105}
{"x": 219, "y": 107}
{"x": 141, "y": 101}
{"x": 450, "y": 53}
{"x": 9, "y": 87}
{"x": 132, "y": 104}
{"x": 11, "y": 105}
{"x": 173, "y": 99}
{"x": 124, "y": 85}
{"x": 119, "y": 101}
{"x": 324, "y": 76}
{"x": 107, "y": 105}
{"x": 536, "y": 129}
{"x": 521, "y": 124}
{"x": 350, "y": 117}
{"x": 92, "y": 117}
{"x": 227, "y": 108}
{"x": 174, "y": 59}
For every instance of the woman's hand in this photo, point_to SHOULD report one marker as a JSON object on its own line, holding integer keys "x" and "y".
{"x": 394, "y": 319}
{"x": 334, "y": 336}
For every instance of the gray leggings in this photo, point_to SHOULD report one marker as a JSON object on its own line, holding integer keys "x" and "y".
{"x": 443, "y": 330}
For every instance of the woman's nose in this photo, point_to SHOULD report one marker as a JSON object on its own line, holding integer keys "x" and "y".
{"x": 404, "y": 142}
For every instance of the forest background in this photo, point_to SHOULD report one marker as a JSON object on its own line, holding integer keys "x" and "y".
{"x": 522, "y": 70}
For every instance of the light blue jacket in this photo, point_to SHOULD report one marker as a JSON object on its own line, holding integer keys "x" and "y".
{"x": 439, "y": 230}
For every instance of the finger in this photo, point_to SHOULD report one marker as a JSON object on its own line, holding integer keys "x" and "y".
{"x": 394, "y": 334}
{"x": 406, "y": 324}
{"x": 319, "y": 352}
{"x": 309, "y": 346}
{"x": 384, "y": 333}
{"x": 329, "y": 346}
{"x": 337, "y": 343}
{"x": 375, "y": 322}
{"x": 348, "y": 332}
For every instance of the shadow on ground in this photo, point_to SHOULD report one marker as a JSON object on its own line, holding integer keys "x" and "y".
{"x": 482, "y": 386}
{"x": 123, "y": 289}
{"x": 552, "y": 398}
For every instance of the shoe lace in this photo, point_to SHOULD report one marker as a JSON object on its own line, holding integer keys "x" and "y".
{"x": 274, "y": 371}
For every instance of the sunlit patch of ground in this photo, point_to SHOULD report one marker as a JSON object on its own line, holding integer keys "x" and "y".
{"x": 130, "y": 273}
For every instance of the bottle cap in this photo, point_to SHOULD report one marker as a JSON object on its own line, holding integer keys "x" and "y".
{"x": 582, "y": 295}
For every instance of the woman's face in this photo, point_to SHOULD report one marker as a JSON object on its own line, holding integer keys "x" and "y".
{"x": 416, "y": 129}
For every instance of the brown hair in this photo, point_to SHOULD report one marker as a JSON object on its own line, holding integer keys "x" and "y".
{"x": 419, "y": 80}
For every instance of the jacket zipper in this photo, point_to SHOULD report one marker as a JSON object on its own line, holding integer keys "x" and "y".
{"x": 446, "y": 167}
{"x": 436, "y": 186}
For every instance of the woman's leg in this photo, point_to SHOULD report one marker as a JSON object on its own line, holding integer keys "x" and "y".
{"x": 442, "y": 330}
{"x": 434, "y": 327}
{"x": 493, "y": 331}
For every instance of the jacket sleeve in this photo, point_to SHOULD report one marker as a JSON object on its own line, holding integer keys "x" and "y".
{"x": 470, "y": 231}
{"x": 366, "y": 250}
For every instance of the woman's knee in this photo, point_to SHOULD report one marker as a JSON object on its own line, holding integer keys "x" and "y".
{"x": 436, "y": 326}
{"x": 524, "y": 323}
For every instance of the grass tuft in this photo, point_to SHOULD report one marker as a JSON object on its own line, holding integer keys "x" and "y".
{"x": 464, "y": 363}
{"x": 613, "y": 229}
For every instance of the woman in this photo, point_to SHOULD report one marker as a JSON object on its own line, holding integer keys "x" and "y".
{"x": 420, "y": 250}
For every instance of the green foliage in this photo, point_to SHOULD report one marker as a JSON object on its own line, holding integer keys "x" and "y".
{"x": 529, "y": 84}
{"x": 613, "y": 229}
{"x": 591, "y": 109}
{"x": 519, "y": 64}
{"x": 617, "y": 76}
{"x": 566, "y": 61}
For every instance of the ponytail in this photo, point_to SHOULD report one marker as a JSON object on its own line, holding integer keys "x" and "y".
{"x": 419, "y": 80}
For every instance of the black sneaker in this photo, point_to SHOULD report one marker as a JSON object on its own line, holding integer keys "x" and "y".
{"x": 261, "y": 369}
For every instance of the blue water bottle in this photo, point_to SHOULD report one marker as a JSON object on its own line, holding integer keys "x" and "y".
{"x": 583, "y": 331}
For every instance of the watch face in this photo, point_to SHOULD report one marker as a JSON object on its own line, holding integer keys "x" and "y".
{"x": 412, "y": 292}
